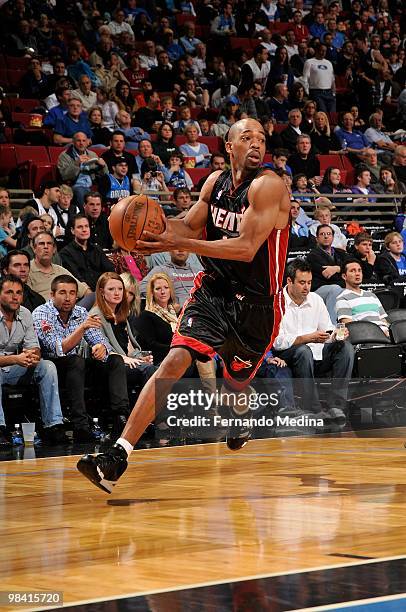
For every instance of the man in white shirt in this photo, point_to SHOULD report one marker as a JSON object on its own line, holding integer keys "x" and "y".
{"x": 318, "y": 74}
{"x": 85, "y": 93}
{"x": 118, "y": 25}
{"x": 308, "y": 344}
{"x": 269, "y": 8}
{"x": 257, "y": 68}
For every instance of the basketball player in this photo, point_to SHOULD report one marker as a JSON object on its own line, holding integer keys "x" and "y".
{"x": 236, "y": 306}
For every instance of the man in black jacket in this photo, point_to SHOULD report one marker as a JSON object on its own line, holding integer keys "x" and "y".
{"x": 326, "y": 262}
{"x": 83, "y": 259}
{"x": 17, "y": 263}
{"x": 363, "y": 252}
{"x": 98, "y": 221}
{"x": 304, "y": 162}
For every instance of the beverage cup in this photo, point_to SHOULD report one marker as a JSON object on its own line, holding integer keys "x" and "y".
{"x": 28, "y": 433}
{"x": 340, "y": 331}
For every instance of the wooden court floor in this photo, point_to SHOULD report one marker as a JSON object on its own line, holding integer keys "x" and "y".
{"x": 192, "y": 515}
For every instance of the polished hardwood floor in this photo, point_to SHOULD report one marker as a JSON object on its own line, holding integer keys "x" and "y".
{"x": 191, "y": 515}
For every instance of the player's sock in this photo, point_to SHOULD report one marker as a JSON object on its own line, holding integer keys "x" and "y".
{"x": 126, "y": 445}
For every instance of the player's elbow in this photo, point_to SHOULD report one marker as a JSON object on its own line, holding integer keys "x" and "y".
{"x": 247, "y": 254}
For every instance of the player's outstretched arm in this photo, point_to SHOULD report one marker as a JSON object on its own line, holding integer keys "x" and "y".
{"x": 269, "y": 207}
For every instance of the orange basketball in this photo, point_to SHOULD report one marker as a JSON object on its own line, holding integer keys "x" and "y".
{"x": 133, "y": 215}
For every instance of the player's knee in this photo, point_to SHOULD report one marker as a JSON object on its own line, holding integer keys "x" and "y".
{"x": 303, "y": 353}
{"x": 175, "y": 364}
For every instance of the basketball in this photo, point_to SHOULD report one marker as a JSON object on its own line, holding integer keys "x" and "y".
{"x": 133, "y": 215}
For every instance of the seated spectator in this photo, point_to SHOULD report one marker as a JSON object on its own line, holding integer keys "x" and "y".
{"x": 43, "y": 271}
{"x": 356, "y": 304}
{"x": 332, "y": 184}
{"x": 217, "y": 162}
{"x": 351, "y": 140}
{"x": 84, "y": 93}
{"x": 189, "y": 41}
{"x": 22, "y": 39}
{"x": 363, "y": 252}
{"x": 116, "y": 185}
{"x": 303, "y": 161}
{"x": 181, "y": 269}
{"x": 363, "y": 185}
{"x": 169, "y": 112}
{"x": 61, "y": 325}
{"x": 163, "y": 76}
{"x": 20, "y": 361}
{"x": 302, "y": 188}
{"x": 322, "y": 216}
{"x": 371, "y": 163}
{"x": 118, "y": 25}
{"x": 292, "y": 132}
{"x": 146, "y": 152}
{"x": 6, "y": 240}
{"x": 177, "y": 175}
{"x": 58, "y": 112}
{"x": 306, "y": 344}
{"x": 149, "y": 117}
{"x": 185, "y": 120}
{"x": 133, "y": 135}
{"x": 48, "y": 222}
{"x": 5, "y": 201}
{"x": 164, "y": 146}
{"x": 230, "y": 112}
{"x": 223, "y": 25}
{"x": 297, "y": 62}
{"x": 261, "y": 105}
{"x": 359, "y": 123}
{"x": 324, "y": 141}
{"x": 84, "y": 260}
{"x": 377, "y": 137}
{"x": 17, "y": 263}
{"x": 100, "y": 134}
{"x": 279, "y": 105}
{"x": 62, "y": 213}
{"x": 112, "y": 72}
{"x": 124, "y": 98}
{"x": 300, "y": 237}
{"x": 225, "y": 90}
{"x": 280, "y": 71}
{"x": 151, "y": 179}
{"x": 399, "y": 163}
{"x": 279, "y": 161}
{"x": 182, "y": 199}
{"x": 73, "y": 122}
{"x": 112, "y": 310}
{"x": 193, "y": 148}
{"x": 80, "y": 166}
{"x": 48, "y": 195}
{"x": 390, "y": 265}
{"x": 109, "y": 108}
{"x": 77, "y": 67}
{"x": 34, "y": 83}
{"x": 117, "y": 146}
{"x": 148, "y": 59}
{"x": 193, "y": 95}
{"x": 245, "y": 94}
{"x": 308, "y": 116}
{"x": 326, "y": 262}
{"x": 98, "y": 221}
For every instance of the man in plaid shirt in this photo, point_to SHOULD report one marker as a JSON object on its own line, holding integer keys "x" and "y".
{"x": 61, "y": 326}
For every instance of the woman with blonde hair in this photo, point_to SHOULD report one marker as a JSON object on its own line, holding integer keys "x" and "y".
{"x": 323, "y": 138}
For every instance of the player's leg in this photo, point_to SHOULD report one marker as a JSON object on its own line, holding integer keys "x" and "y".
{"x": 106, "y": 468}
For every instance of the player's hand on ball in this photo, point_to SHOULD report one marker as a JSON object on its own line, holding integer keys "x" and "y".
{"x": 156, "y": 243}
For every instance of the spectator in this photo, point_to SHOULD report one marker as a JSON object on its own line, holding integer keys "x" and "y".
{"x": 302, "y": 190}
{"x": 169, "y": 112}
{"x": 299, "y": 29}
{"x": 399, "y": 163}
{"x": 245, "y": 96}
{"x": 371, "y": 163}
{"x": 182, "y": 199}
{"x": 306, "y": 343}
{"x": 148, "y": 116}
{"x": 112, "y": 310}
{"x": 123, "y": 98}
{"x": 43, "y": 271}
{"x": 108, "y": 107}
{"x": 49, "y": 194}
{"x": 74, "y": 121}
{"x": 148, "y": 59}
{"x": 77, "y": 67}
{"x": 145, "y": 151}
{"x": 118, "y": 25}
{"x": 363, "y": 252}
{"x": 269, "y": 8}
{"x": 309, "y": 111}
{"x": 224, "y": 25}
{"x": 379, "y": 139}
{"x": 116, "y": 150}
{"x": 280, "y": 71}
{"x": 32, "y": 226}
{"x": 181, "y": 270}
{"x": 322, "y": 216}
{"x": 390, "y": 185}
{"x": 132, "y": 135}
{"x": 189, "y": 41}
{"x": 164, "y": 146}
{"x": 261, "y": 106}
{"x": 98, "y": 221}
{"x": 326, "y": 262}
{"x": 84, "y": 260}
{"x": 351, "y": 140}
{"x": 193, "y": 148}
{"x": 162, "y": 76}
{"x": 332, "y": 184}
{"x": 390, "y": 265}
{"x": 324, "y": 141}
{"x": 34, "y": 83}
{"x": 58, "y": 112}
{"x": 62, "y": 213}
{"x": 217, "y": 162}
{"x": 151, "y": 179}
{"x": 318, "y": 28}
{"x": 363, "y": 186}
{"x": 291, "y": 133}
{"x": 318, "y": 74}
{"x": 356, "y": 304}
{"x": 134, "y": 73}
{"x": 85, "y": 93}
{"x": 298, "y": 60}
{"x": 185, "y": 120}
{"x": 17, "y": 263}
{"x": 278, "y": 104}
{"x": 61, "y": 325}
{"x": 300, "y": 237}
{"x": 304, "y": 162}
{"x": 279, "y": 161}
{"x": 230, "y": 113}
{"x": 80, "y": 166}
{"x": 116, "y": 185}
{"x": 100, "y": 134}
{"x": 21, "y": 361}
{"x": 177, "y": 175}
{"x": 256, "y": 70}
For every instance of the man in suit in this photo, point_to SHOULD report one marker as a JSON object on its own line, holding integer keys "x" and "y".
{"x": 292, "y": 132}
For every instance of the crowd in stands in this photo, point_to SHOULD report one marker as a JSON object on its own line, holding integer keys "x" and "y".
{"x": 131, "y": 96}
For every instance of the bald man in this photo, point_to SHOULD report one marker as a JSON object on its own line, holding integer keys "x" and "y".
{"x": 235, "y": 308}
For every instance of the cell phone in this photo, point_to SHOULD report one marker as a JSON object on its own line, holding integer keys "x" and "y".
{"x": 329, "y": 331}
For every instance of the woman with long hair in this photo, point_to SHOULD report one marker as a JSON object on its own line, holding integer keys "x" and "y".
{"x": 100, "y": 134}
{"x": 280, "y": 72}
{"x": 332, "y": 184}
{"x": 323, "y": 138}
{"x": 309, "y": 111}
{"x": 124, "y": 98}
{"x": 113, "y": 310}
{"x": 165, "y": 146}
{"x": 390, "y": 185}
{"x": 297, "y": 96}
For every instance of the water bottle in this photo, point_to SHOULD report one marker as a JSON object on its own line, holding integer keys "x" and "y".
{"x": 17, "y": 435}
{"x": 97, "y": 431}
{"x": 344, "y": 144}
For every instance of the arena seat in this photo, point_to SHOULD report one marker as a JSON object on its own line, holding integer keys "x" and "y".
{"x": 4, "y": 82}
{"x": 198, "y": 173}
{"x": 329, "y": 160}
{"x": 54, "y": 153}
{"x": 182, "y": 18}
{"x": 40, "y": 173}
{"x": 8, "y": 159}
{"x": 21, "y": 105}
{"x": 17, "y": 63}
{"x": 26, "y": 157}
{"x": 14, "y": 78}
